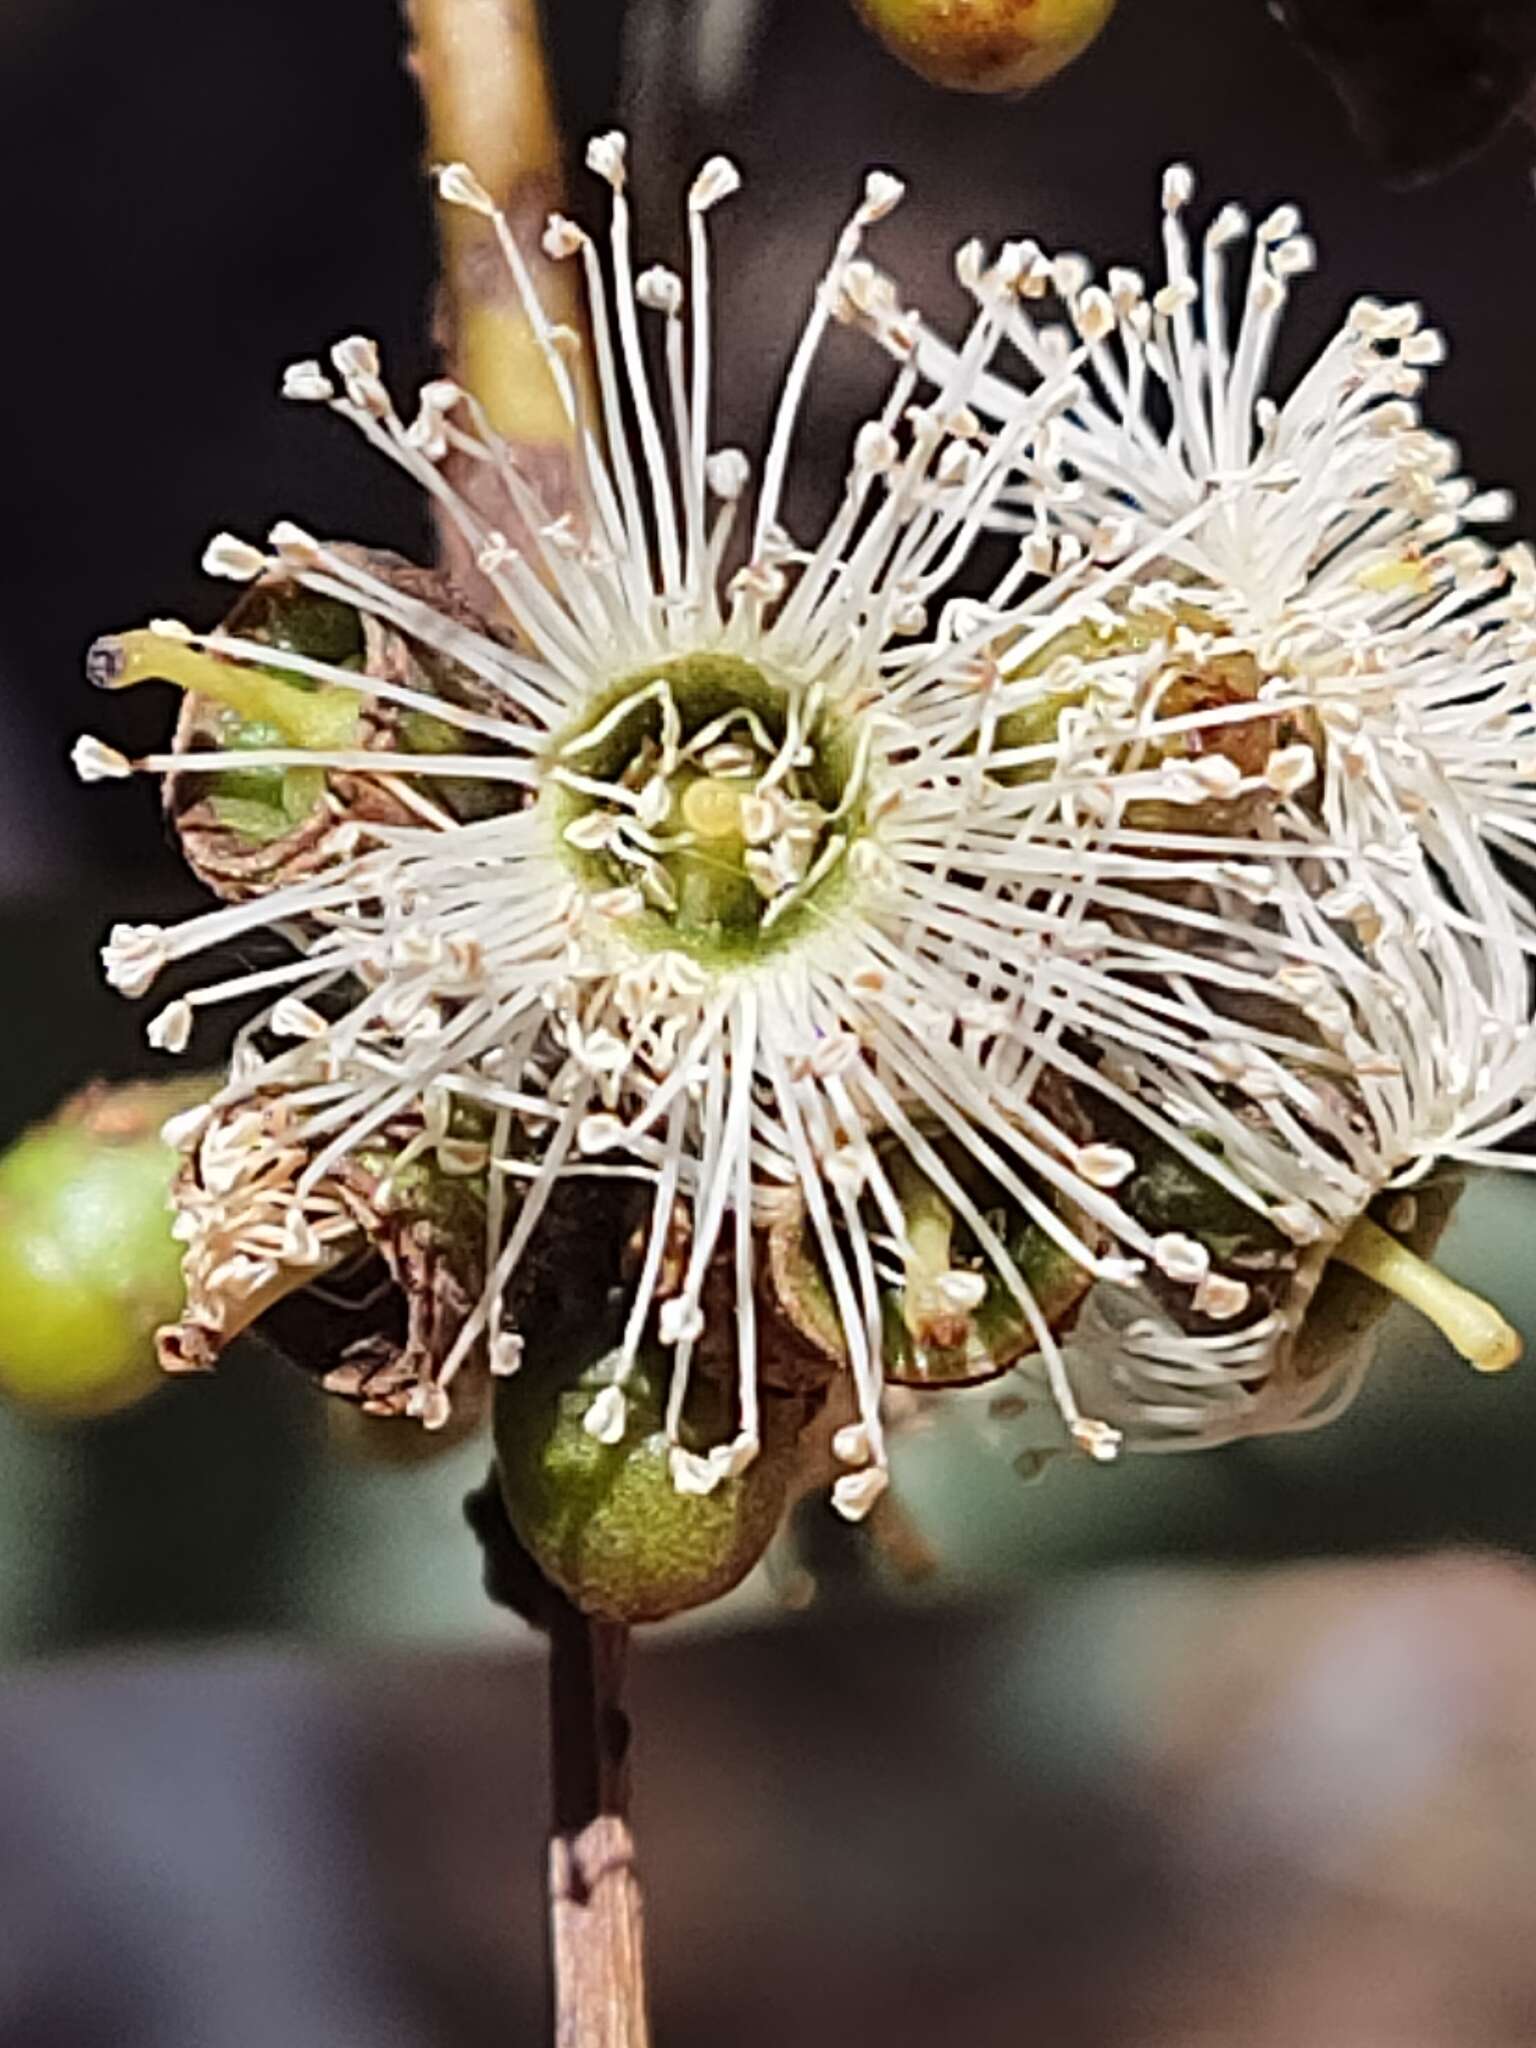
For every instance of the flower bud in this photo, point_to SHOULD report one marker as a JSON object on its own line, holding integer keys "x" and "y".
{"x": 595, "y": 1494}
{"x": 88, "y": 1266}
{"x": 986, "y": 45}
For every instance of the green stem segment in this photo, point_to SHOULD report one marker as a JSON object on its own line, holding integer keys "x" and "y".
{"x": 1473, "y": 1325}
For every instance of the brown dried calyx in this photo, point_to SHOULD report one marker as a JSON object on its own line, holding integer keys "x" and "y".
{"x": 245, "y": 832}
{"x": 367, "y": 1277}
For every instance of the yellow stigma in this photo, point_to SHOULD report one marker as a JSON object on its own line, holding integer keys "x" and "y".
{"x": 1473, "y": 1325}
{"x": 321, "y": 718}
{"x": 712, "y": 808}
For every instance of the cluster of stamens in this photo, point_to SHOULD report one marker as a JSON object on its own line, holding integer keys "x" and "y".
{"x": 1185, "y": 823}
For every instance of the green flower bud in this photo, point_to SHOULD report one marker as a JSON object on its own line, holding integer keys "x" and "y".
{"x": 986, "y": 45}
{"x": 590, "y": 1493}
{"x": 88, "y": 1266}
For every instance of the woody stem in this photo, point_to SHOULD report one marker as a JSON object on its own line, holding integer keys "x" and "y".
{"x": 595, "y": 1900}
{"x": 482, "y": 72}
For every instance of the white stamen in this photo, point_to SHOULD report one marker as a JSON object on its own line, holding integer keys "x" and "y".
{"x": 855, "y": 1493}
{"x": 94, "y": 761}
{"x": 227, "y": 555}
{"x": 607, "y": 1416}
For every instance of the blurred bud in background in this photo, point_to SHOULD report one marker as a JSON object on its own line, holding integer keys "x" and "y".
{"x": 88, "y": 1265}
{"x": 986, "y": 45}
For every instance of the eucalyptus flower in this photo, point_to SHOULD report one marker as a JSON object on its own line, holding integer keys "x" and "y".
{"x": 1324, "y": 541}
{"x": 1314, "y": 700}
{"x": 1278, "y": 1048}
{"x": 746, "y": 922}
{"x": 1268, "y": 1143}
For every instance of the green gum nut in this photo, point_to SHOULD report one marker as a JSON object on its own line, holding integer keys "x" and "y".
{"x": 88, "y": 1266}
{"x": 986, "y": 45}
{"x": 603, "y": 1520}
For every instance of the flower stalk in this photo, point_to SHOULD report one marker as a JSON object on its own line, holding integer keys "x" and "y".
{"x": 595, "y": 1901}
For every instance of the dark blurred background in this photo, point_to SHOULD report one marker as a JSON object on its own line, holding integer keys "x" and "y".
{"x": 1155, "y": 1806}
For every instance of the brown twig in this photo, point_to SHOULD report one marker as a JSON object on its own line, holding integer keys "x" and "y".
{"x": 595, "y": 1916}
{"x": 595, "y": 1910}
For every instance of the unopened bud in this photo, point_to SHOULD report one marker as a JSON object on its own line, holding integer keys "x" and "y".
{"x": 986, "y": 45}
